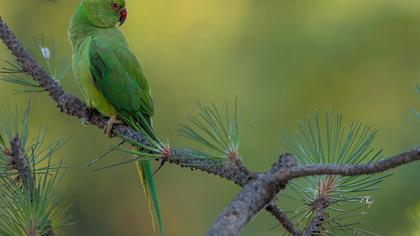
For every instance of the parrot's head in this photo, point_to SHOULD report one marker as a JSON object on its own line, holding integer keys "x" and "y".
{"x": 106, "y": 13}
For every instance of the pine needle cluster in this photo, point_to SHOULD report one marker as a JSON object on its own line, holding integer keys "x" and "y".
{"x": 29, "y": 201}
{"x": 328, "y": 140}
{"x": 216, "y": 131}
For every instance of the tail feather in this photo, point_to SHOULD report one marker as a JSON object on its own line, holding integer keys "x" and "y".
{"x": 146, "y": 176}
{"x": 144, "y": 183}
{"x": 144, "y": 168}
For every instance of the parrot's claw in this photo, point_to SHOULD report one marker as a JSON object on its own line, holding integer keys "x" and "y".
{"x": 110, "y": 124}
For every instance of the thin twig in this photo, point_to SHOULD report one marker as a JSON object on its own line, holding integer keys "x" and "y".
{"x": 319, "y": 205}
{"x": 20, "y": 163}
{"x": 317, "y": 223}
{"x": 283, "y": 219}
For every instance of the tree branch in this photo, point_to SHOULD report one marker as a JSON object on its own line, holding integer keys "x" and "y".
{"x": 351, "y": 170}
{"x": 261, "y": 191}
{"x": 255, "y": 196}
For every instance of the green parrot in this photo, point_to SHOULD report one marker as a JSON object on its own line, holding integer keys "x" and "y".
{"x": 110, "y": 77}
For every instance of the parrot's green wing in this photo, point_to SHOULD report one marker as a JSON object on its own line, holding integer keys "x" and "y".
{"x": 117, "y": 74}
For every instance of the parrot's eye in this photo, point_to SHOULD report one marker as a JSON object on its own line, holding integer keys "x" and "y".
{"x": 115, "y": 6}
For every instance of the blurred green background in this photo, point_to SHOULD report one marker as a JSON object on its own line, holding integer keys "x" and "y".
{"x": 283, "y": 59}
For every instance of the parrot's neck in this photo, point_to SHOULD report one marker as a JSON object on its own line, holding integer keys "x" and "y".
{"x": 81, "y": 27}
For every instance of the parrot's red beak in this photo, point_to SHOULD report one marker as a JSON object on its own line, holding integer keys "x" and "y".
{"x": 123, "y": 16}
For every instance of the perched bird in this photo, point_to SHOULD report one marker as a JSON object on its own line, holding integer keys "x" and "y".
{"x": 110, "y": 76}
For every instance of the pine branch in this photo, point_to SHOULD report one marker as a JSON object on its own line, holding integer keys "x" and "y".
{"x": 319, "y": 206}
{"x": 317, "y": 222}
{"x": 235, "y": 172}
{"x": 352, "y": 170}
{"x": 20, "y": 163}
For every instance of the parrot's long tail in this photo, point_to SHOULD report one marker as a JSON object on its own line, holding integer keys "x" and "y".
{"x": 142, "y": 123}
{"x": 145, "y": 171}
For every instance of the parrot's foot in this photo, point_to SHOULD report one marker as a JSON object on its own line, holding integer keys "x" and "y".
{"x": 110, "y": 124}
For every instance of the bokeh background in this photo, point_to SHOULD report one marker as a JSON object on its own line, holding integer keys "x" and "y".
{"x": 284, "y": 60}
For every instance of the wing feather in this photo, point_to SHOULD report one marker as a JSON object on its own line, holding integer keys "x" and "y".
{"x": 117, "y": 74}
